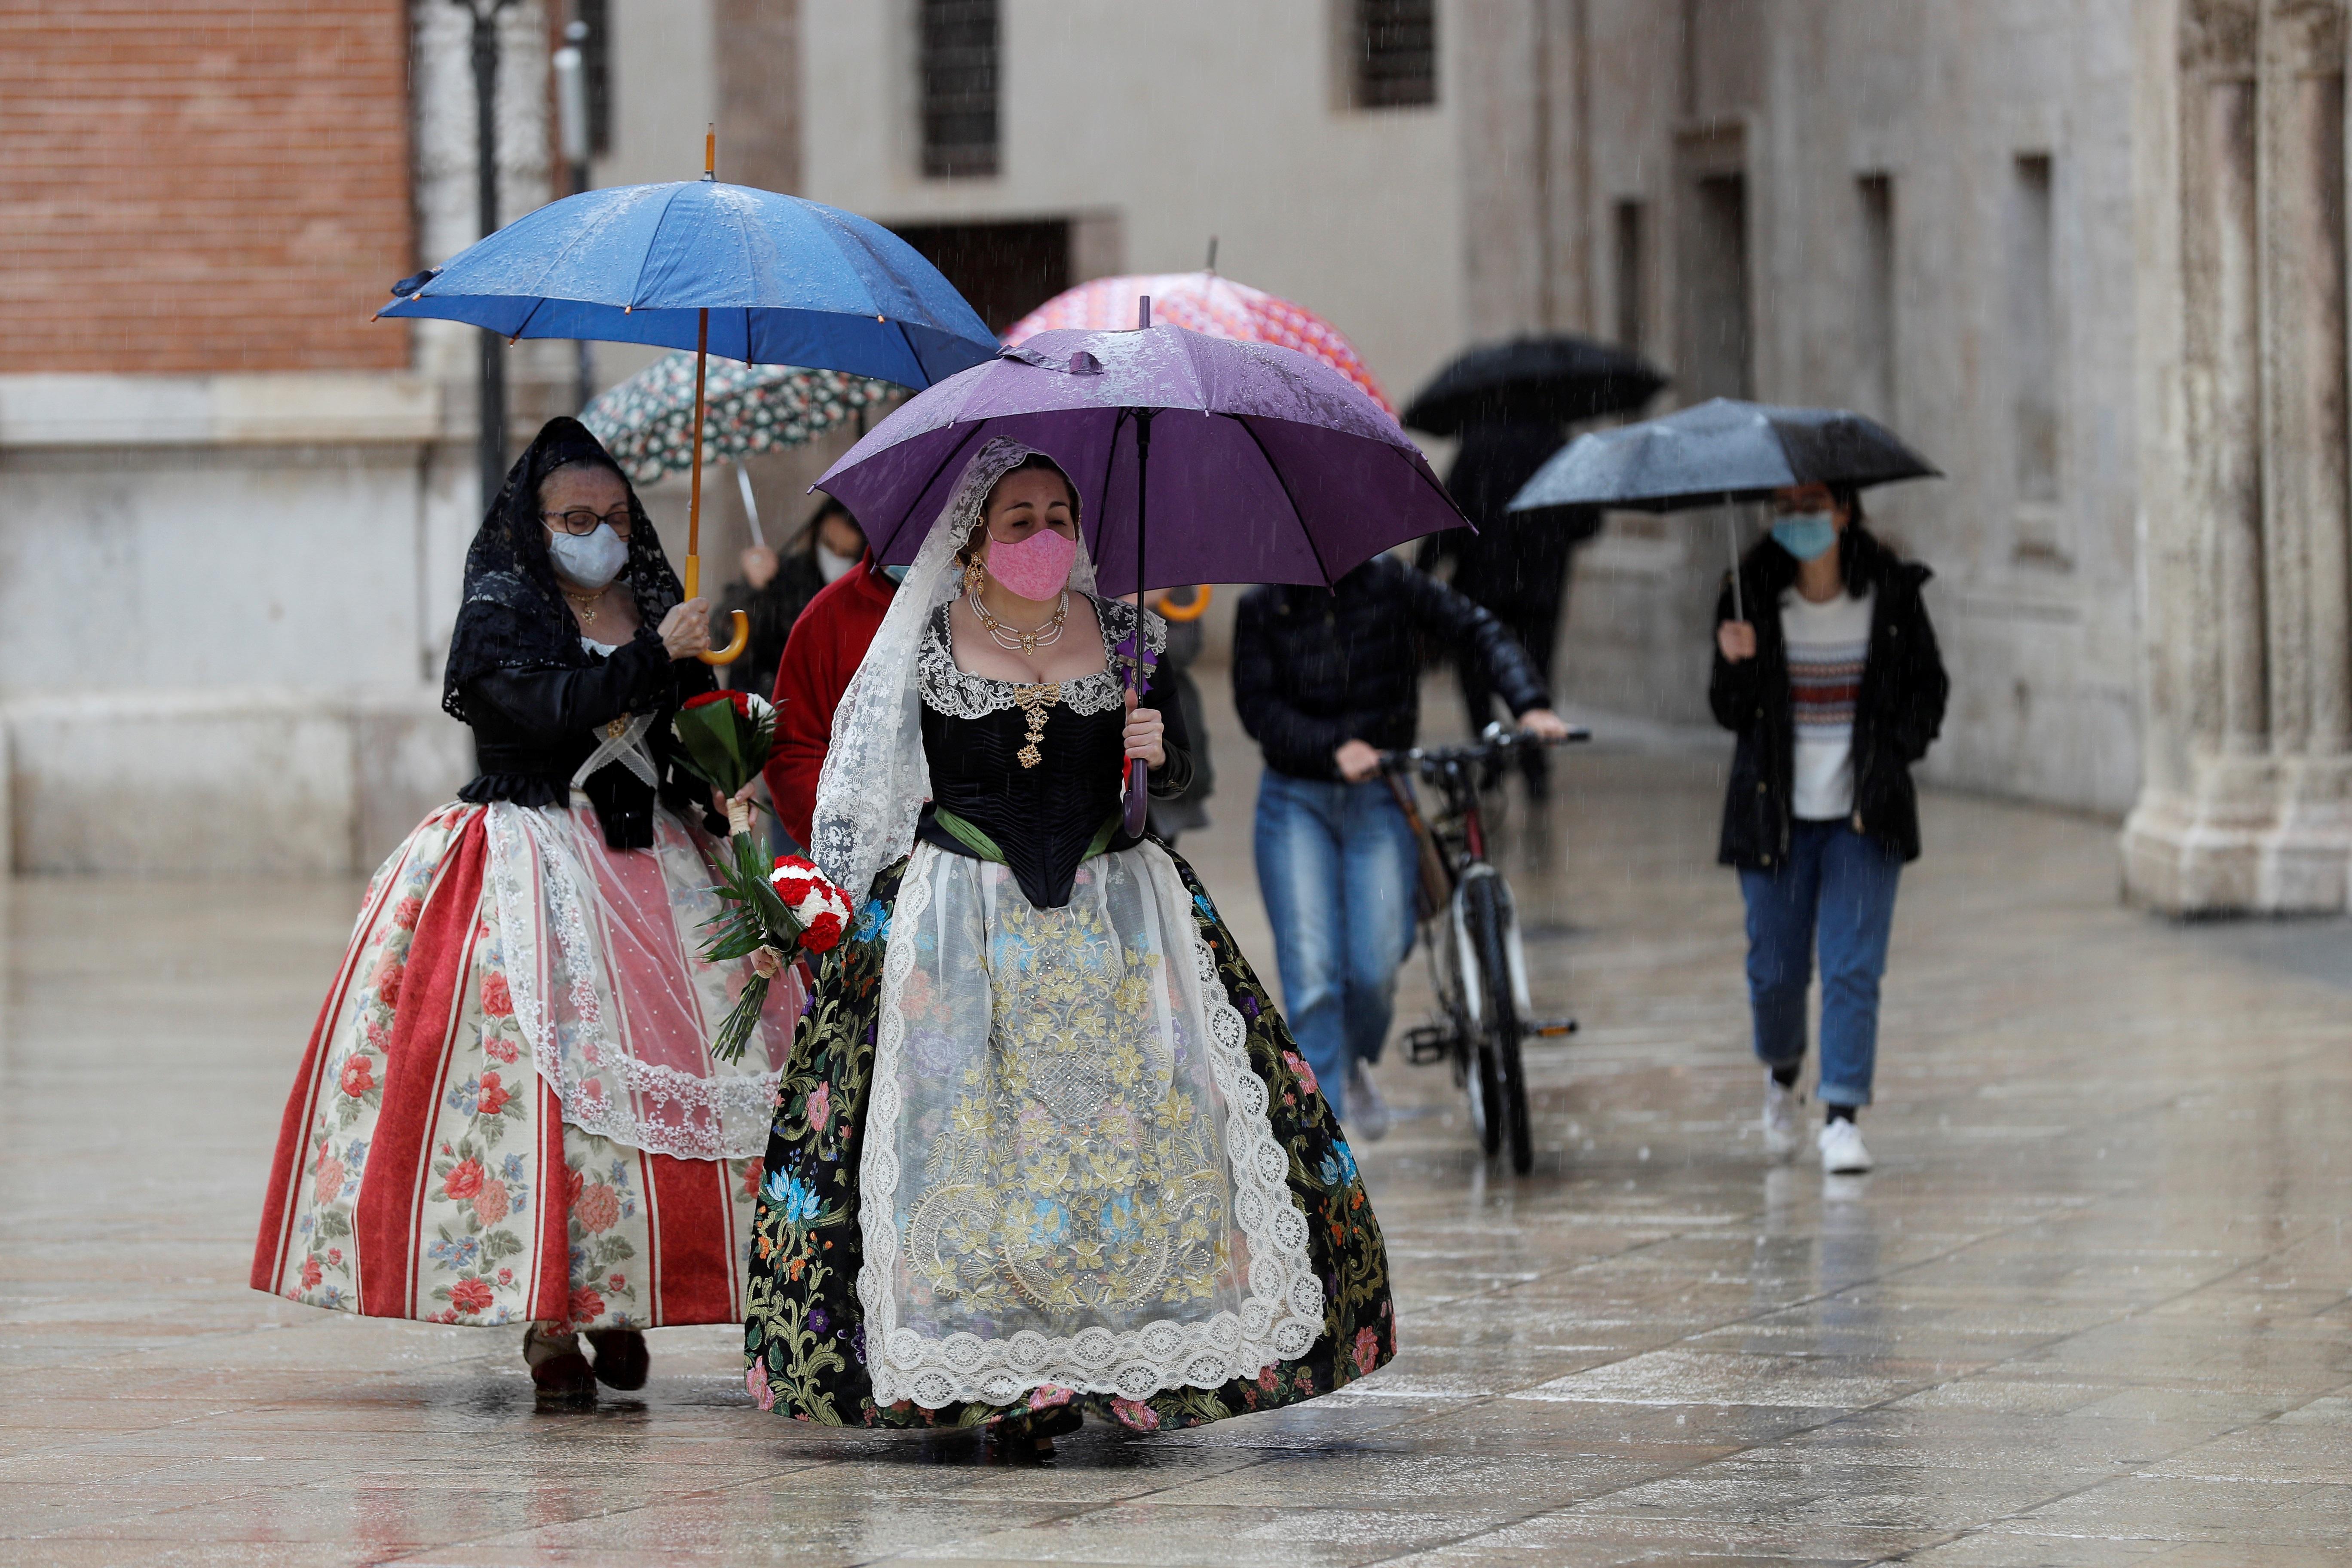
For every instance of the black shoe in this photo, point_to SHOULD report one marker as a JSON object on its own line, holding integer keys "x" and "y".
{"x": 621, "y": 1359}
{"x": 559, "y": 1375}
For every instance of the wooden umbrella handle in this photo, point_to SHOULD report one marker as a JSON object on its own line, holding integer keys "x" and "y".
{"x": 740, "y": 638}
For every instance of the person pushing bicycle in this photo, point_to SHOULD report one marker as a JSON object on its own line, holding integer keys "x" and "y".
{"x": 1325, "y": 680}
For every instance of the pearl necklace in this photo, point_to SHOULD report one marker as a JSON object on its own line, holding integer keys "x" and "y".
{"x": 1012, "y": 639}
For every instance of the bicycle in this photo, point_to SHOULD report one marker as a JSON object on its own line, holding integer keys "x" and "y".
{"x": 1470, "y": 931}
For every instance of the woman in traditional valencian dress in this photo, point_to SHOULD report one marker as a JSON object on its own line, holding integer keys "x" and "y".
{"x": 1043, "y": 1145}
{"x": 509, "y": 1112}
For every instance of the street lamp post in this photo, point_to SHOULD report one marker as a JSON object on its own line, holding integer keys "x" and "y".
{"x": 572, "y": 115}
{"x": 493, "y": 438}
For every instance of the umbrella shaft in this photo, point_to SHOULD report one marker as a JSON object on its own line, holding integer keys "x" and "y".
{"x": 694, "y": 498}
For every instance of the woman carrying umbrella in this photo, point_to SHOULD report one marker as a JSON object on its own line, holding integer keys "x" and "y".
{"x": 1834, "y": 685}
{"x": 1045, "y": 1145}
{"x": 508, "y": 1113}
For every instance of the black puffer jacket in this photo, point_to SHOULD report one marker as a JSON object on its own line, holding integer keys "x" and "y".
{"x": 1316, "y": 666}
{"x": 1897, "y": 714}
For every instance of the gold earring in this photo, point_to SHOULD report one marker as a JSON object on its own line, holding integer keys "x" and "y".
{"x": 974, "y": 576}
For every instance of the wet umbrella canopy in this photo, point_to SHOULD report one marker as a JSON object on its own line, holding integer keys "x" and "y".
{"x": 1721, "y": 451}
{"x": 785, "y": 282}
{"x": 1204, "y": 302}
{"x": 647, "y": 421}
{"x": 1553, "y": 380}
{"x": 1266, "y": 465}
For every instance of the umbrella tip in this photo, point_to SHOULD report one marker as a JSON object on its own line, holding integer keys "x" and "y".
{"x": 1213, "y": 255}
{"x": 1142, "y": 311}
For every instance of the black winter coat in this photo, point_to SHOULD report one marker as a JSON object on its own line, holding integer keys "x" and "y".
{"x": 1897, "y": 714}
{"x": 1316, "y": 666}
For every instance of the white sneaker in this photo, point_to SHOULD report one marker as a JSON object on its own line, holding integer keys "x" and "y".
{"x": 1368, "y": 1113}
{"x": 1842, "y": 1150}
{"x": 1784, "y": 1131}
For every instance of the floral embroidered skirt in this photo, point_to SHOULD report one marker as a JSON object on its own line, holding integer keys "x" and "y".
{"x": 1029, "y": 1158}
{"x": 427, "y": 1166}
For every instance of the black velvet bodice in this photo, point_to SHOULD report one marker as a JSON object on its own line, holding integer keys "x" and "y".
{"x": 1043, "y": 818}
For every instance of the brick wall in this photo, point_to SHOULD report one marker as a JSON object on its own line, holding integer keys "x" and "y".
{"x": 196, "y": 186}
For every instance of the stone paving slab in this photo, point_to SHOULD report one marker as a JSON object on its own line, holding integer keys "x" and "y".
{"x": 2094, "y": 1307}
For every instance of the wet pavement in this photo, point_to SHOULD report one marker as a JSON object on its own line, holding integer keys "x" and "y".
{"x": 2094, "y": 1306}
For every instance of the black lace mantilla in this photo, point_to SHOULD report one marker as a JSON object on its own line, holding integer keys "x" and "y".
{"x": 513, "y": 616}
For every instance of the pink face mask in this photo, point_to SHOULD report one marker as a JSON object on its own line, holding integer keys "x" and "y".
{"x": 1037, "y": 567}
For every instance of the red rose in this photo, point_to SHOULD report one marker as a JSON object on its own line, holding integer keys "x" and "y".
{"x": 497, "y": 1000}
{"x": 598, "y": 1208}
{"x": 494, "y": 1095}
{"x": 469, "y": 1296}
{"x": 359, "y": 1077}
{"x": 465, "y": 1181}
{"x": 388, "y": 976}
{"x": 586, "y": 1306}
{"x": 822, "y": 933}
{"x": 736, "y": 700}
{"x": 490, "y": 1203}
{"x": 404, "y": 913}
{"x": 310, "y": 1272}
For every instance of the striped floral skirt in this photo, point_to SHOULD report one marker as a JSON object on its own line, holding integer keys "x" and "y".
{"x": 426, "y": 1165}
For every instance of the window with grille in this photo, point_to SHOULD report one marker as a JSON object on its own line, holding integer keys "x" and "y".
{"x": 1395, "y": 46}
{"x": 956, "y": 62}
{"x": 597, "y": 63}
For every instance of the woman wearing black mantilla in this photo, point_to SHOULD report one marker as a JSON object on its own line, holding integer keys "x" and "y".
{"x": 1043, "y": 1144}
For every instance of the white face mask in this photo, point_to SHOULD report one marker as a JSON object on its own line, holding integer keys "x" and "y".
{"x": 591, "y": 560}
{"x": 831, "y": 566}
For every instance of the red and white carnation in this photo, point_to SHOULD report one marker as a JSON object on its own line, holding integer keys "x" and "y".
{"x": 820, "y": 909}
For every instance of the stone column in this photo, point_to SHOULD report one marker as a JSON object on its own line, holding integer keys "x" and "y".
{"x": 2241, "y": 273}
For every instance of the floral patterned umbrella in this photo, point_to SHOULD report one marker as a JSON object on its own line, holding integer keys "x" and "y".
{"x": 1206, "y": 303}
{"x": 647, "y": 421}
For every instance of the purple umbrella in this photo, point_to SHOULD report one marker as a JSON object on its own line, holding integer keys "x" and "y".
{"x": 1263, "y": 465}
{"x": 1270, "y": 467}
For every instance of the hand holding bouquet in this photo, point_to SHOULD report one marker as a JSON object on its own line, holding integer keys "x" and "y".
{"x": 769, "y": 910}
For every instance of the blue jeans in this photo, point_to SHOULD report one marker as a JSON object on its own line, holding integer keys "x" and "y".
{"x": 1336, "y": 863}
{"x": 1840, "y": 884}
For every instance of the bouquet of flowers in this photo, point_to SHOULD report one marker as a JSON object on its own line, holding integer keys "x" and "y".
{"x": 769, "y": 910}
{"x": 727, "y": 736}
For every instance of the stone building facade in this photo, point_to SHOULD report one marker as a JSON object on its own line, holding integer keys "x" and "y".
{"x": 2091, "y": 259}
{"x": 236, "y": 507}
{"x": 1923, "y": 212}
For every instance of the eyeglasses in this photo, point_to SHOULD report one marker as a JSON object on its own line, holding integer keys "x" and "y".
{"x": 582, "y": 520}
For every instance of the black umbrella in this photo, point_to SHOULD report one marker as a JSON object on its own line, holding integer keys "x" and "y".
{"x": 1555, "y": 380}
{"x": 1719, "y": 452}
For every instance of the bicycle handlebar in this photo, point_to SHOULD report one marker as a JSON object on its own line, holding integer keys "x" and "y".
{"x": 1496, "y": 742}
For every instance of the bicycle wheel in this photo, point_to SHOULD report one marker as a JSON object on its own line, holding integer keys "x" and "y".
{"x": 1499, "y": 1067}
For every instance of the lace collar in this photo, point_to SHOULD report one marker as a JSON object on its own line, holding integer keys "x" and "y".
{"x": 956, "y": 692}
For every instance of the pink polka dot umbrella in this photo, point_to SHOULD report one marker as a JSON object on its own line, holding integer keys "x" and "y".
{"x": 1206, "y": 303}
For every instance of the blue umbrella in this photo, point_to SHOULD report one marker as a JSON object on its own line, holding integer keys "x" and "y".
{"x": 782, "y": 282}
{"x": 744, "y": 273}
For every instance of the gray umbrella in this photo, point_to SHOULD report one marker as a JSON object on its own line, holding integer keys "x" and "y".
{"x": 1717, "y": 453}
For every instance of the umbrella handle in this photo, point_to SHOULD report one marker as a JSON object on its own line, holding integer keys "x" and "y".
{"x": 734, "y": 649}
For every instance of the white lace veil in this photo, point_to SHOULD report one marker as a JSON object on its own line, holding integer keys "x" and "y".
{"x": 875, "y": 780}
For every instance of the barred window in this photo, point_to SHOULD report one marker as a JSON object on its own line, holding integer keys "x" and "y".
{"x": 1394, "y": 43}
{"x": 597, "y": 62}
{"x": 956, "y": 61}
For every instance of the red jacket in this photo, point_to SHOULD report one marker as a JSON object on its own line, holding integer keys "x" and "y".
{"x": 822, "y": 652}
